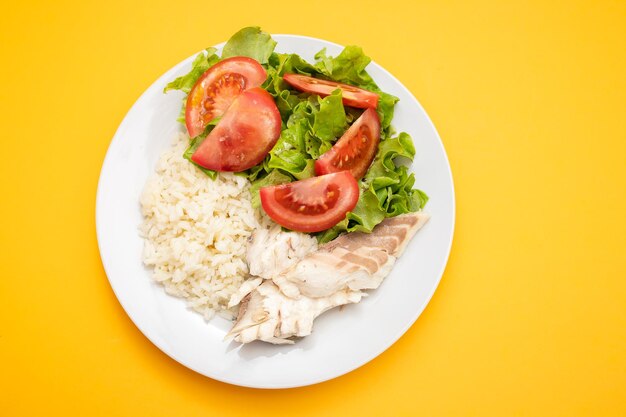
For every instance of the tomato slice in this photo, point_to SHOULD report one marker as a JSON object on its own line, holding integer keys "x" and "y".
{"x": 352, "y": 96}
{"x": 313, "y": 204}
{"x": 245, "y": 134}
{"x": 355, "y": 150}
{"x": 216, "y": 89}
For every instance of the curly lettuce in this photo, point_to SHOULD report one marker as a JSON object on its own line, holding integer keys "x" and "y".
{"x": 386, "y": 190}
{"x": 312, "y": 125}
{"x": 203, "y": 61}
{"x": 251, "y": 42}
{"x": 312, "y": 128}
{"x": 349, "y": 67}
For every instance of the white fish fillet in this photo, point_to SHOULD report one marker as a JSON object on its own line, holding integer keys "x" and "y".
{"x": 246, "y": 288}
{"x": 333, "y": 275}
{"x": 267, "y": 314}
{"x": 355, "y": 261}
{"x": 271, "y": 250}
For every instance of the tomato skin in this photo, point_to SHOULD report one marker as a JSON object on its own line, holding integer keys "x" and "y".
{"x": 216, "y": 89}
{"x": 351, "y": 96}
{"x": 313, "y": 204}
{"x": 246, "y": 133}
{"x": 355, "y": 150}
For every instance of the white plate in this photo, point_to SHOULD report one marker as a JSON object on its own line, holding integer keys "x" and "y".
{"x": 342, "y": 340}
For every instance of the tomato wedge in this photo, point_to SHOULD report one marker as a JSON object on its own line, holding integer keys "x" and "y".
{"x": 216, "y": 89}
{"x": 311, "y": 205}
{"x": 245, "y": 134}
{"x": 352, "y": 96}
{"x": 355, "y": 150}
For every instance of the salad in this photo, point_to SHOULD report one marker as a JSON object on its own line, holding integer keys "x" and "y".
{"x": 315, "y": 139}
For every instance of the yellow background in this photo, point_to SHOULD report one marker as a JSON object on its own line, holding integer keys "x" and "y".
{"x": 530, "y": 101}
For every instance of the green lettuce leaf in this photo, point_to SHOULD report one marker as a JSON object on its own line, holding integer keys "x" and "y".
{"x": 275, "y": 177}
{"x": 291, "y": 63}
{"x": 349, "y": 67}
{"x": 330, "y": 234}
{"x": 311, "y": 129}
{"x": 383, "y": 164}
{"x": 289, "y": 153}
{"x": 329, "y": 122}
{"x": 195, "y": 143}
{"x": 286, "y": 99}
{"x": 386, "y": 106}
{"x": 250, "y": 42}
{"x": 307, "y": 172}
{"x": 386, "y": 190}
{"x": 311, "y": 126}
{"x": 202, "y": 62}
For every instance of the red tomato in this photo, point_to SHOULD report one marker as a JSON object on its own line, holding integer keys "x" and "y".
{"x": 352, "y": 96}
{"x": 355, "y": 150}
{"x": 311, "y": 205}
{"x": 246, "y": 133}
{"x": 216, "y": 89}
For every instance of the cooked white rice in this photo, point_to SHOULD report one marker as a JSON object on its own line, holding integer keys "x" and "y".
{"x": 196, "y": 231}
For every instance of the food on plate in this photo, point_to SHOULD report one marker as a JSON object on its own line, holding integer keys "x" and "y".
{"x": 311, "y": 205}
{"x": 268, "y": 315}
{"x": 311, "y": 125}
{"x": 350, "y": 95}
{"x": 245, "y": 134}
{"x": 196, "y": 231}
{"x": 353, "y": 261}
{"x": 289, "y": 193}
{"x": 216, "y": 89}
{"x": 335, "y": 274}
{"x": 272, "y": 250}
{"x": 355, "y": 150}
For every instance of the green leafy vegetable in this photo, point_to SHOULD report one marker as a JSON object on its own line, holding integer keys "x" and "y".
{"x": 250, "y": 42}
{"x": 201, "y": 63}
{"x": 386, "y": 190}
{"x": 349, "y": 67}
{"x": 291, "y": 63}
{"x": 195, "y": 143}
{"x": 329, "y": 122}
{"x": 273, "y": 178}
{"x": 311, "y": 126}
{"x": 311, "y": 129}
{"x": 307, "y": 172}
{"x": 280, "y": 64}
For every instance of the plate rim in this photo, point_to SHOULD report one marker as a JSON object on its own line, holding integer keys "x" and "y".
{"x": 392, "y": 340}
